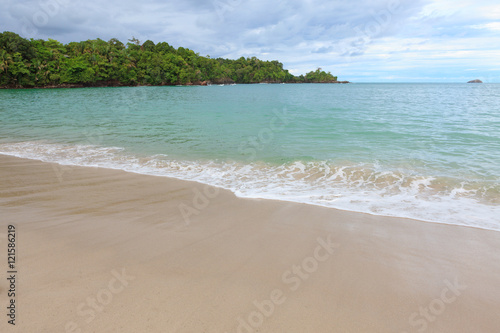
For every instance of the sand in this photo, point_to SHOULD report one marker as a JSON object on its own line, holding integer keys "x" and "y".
{"x": 103, "y": 250}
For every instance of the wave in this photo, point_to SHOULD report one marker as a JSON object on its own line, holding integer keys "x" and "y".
{"x": 361, "y": 187}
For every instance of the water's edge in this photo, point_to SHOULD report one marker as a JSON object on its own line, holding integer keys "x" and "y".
{"x": 186, "y": 171}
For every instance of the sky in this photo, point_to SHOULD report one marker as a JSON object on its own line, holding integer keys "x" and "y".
{"x": 357, "y": 40}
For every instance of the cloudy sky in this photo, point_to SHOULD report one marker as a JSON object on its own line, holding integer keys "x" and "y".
{"x": 359, "y": 40}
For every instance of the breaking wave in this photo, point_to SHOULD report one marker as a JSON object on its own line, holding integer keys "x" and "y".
{"x": 361, "y": 187}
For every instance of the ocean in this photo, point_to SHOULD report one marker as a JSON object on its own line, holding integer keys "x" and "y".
{"x": 422, "y": 151}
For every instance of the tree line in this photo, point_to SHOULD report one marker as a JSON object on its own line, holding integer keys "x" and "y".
{"x": 48, "y": 63}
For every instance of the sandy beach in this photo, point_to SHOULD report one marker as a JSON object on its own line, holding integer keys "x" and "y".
{"x": 101, "y": 250}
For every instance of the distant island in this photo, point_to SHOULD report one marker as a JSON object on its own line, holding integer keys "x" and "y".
{"x": 475, "y": 81}
{"x": 96, "y": 63}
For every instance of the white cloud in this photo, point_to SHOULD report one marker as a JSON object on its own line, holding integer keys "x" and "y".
{"x": 366, "y": 40}
{"x": 494, "y": 26}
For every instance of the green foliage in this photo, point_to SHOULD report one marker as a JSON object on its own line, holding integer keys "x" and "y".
{"x": 40, "y": 63}
{"x": 319, "y": 76}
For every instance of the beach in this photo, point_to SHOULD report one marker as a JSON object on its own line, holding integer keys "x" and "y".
{"x": 101, "y": 250}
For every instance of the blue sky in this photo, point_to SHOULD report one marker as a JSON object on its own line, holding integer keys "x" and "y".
{"x": 360, "y": 41}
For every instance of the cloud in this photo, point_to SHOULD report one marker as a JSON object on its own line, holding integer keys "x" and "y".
{"x": 366, "y": 39}
{"x": 493, "y": 26}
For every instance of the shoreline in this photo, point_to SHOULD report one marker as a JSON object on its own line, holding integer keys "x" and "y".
{"x": 197, "y": 84}
{"x": 236, "y": 265}
{"x": 284, "y": 200}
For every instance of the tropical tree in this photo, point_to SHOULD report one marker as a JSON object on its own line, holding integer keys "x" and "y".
{"x": 30, "y": 63}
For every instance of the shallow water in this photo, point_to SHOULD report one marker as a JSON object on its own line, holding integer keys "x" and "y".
{"x": 425, "y": 151}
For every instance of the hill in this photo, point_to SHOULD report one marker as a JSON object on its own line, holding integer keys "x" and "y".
{"x": 48, "y": 63}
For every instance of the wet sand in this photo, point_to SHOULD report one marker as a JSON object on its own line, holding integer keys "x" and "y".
{"x": 102, "y": 250}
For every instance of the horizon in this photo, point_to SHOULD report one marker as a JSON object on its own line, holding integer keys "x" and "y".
{"x": 399, "y": 41}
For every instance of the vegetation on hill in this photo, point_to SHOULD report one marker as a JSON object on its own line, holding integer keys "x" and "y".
{"x": 48, "y": 63}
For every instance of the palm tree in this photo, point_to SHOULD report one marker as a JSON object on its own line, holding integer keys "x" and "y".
{"x": 5, "y": 60}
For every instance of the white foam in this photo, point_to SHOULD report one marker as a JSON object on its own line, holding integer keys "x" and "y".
{"x": 364, "y": 188}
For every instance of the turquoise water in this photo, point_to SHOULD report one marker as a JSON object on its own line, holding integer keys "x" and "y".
{"x": 425, "y": 151}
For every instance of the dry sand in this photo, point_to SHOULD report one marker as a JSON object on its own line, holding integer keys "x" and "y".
{"x": 108, "y": 251}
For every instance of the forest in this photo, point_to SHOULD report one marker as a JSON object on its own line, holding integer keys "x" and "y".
{"x": 30, "y": 63}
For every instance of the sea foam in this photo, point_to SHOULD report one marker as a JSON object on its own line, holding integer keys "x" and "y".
{"x": 361, "y": 187}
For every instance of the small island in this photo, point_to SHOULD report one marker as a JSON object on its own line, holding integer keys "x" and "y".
{"x": 96, "y": 63}
{"x": 475, "y": 81}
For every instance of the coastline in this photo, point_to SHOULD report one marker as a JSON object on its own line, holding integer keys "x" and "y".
{"x": 231, "y": 177}
{"x": 193, "y": 258}
{"x": 197, "y": 84}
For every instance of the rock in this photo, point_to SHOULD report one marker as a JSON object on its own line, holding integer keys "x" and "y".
{"x": 475, "y": 81}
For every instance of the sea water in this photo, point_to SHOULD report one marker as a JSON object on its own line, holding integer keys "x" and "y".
{"x": 423, "y": 151}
